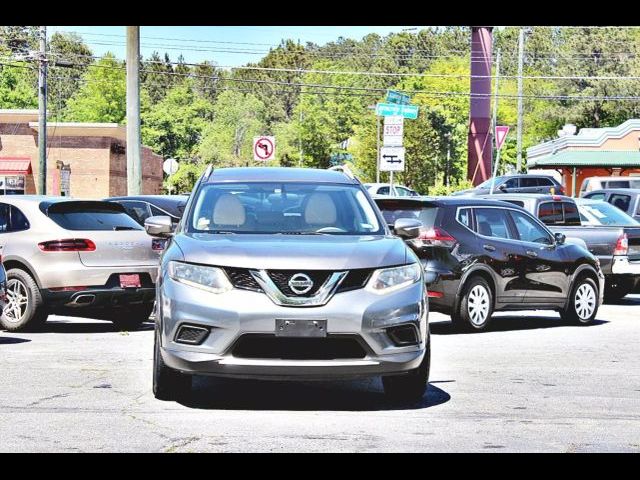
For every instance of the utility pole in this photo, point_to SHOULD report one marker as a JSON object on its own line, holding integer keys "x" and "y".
{"x": 495, "y": 119}
{"x": 520, "y": 104}
{"x": 134, "y": 164}
{"x": 42, "y": 113}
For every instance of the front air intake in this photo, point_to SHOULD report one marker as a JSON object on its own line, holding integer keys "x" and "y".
{"x": 404, "y": 335}
{"x": 191, "y": 335}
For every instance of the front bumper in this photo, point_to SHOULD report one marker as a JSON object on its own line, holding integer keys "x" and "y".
{"x": 231, "y": 315}
{"x": 623, "y": 266}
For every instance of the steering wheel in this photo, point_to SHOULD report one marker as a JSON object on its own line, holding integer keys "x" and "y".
{"x": 331, "y": 230}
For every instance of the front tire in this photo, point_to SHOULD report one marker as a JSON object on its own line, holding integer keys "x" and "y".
{"x": 24, "y": 309}
{"x": 168, "y": 384}
{"x": 476, "y": 306}
{"x": 583, "y": 304}
{"x": 411, "y": 386}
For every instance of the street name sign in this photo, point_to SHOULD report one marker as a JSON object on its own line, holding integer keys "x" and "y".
{"x": 264, "y": 148}
{"x": 392, "y": 159}
{"x": 392, "y": 131}
{"x": 397, "y": 97}
{"x": 387, "y": 109}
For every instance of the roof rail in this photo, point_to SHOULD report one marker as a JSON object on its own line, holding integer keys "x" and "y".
{"x": 207, "y": 172}
{"x": 344, "y": 169}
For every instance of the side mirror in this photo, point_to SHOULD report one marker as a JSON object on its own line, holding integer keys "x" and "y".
{"x": 159, "y": 226}
{"x": 560, "y": 238}
{"x": 407, "y": 228}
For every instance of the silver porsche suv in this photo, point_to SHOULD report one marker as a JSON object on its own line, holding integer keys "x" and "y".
{"x": 287, "y": 273}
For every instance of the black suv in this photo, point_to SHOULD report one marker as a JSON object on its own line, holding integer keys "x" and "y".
{"x": 482, "y": 256}
{"x": 525, "y": 183}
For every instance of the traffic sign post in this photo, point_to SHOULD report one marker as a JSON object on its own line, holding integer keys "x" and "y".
{"x": 264, "y": 148}
{"x": 393, "y": 131}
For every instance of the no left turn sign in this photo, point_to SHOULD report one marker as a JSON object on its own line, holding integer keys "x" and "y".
{"x": 264, "y": 148}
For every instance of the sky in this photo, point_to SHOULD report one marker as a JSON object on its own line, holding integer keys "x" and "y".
{"x": 224, "y": 45}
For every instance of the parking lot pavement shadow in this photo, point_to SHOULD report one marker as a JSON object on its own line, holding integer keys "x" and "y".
{"x": 364, "y": 395}
{"x": 628, "y": 301}
{"x": 9, "y": 340}
{"x": 509, "y": 323}
{"x": 80, "y": 325}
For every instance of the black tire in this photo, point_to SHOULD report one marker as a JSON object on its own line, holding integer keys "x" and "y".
{"x": 33, "y": 314}
{"x": 476, "y": 291}
{"x": 131, "y": 318}
{"x": 572, "y": 313}
{"x": 168, "y": 384}
{"x": 411, "y": 386}
{"x": 616, "y": 290}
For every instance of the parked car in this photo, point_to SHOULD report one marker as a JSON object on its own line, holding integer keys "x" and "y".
{"x": 141, "y": 207}
{"x": 257, "y": 284}
{"x": 74, "y": 257}
{"x": 603, "y": 183}
{"x": 388, "y": 189}
{"x": 616, "y": 246}
{"x": 482, "y": 256}
{"x": 525, "y": 183}
{"x": 626, "y": 199}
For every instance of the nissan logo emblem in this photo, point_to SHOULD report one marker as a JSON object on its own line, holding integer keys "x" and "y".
{"x": 300, "y": 283}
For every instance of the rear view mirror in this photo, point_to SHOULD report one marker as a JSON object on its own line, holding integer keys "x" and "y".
{"x": 159, "y": 226}
{"x": 407, "y": 228}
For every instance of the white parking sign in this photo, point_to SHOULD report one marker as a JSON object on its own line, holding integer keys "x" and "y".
{"x": 392, "y": 159}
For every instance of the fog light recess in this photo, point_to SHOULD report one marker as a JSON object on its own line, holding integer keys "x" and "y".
{"x": 191, "y": 335}
{"x": 403, "y": 335}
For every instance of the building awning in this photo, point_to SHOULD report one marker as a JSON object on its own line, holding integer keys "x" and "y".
{"x": 15, "y": 166}
{"x": 588, "y": 158}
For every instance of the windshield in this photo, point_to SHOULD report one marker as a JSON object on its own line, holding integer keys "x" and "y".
{"x": 286, "y": 208}
{"x": 606, "y": 214}
{"x": 487, "y": 183}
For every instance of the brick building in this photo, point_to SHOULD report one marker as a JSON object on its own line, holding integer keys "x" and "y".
{"x": 592, "y": 152}
{"x": 84, "y": 160}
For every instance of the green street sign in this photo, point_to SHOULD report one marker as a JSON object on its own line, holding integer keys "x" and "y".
{"x": 397, "y": 97}
{"x": 387, "y": 109}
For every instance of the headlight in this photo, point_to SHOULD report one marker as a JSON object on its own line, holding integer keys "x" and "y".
{"x": 388, "y": 280}
{"x": 211, "y": 279}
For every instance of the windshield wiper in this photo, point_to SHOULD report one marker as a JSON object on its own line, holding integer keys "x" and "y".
{"x": 302, "y": 233}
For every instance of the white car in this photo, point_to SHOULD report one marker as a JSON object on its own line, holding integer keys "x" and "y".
{"x": 387, "y": 189}
{"x": 602, "y": 183}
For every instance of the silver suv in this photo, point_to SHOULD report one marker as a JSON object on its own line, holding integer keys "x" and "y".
{"x": 286, "y": 273}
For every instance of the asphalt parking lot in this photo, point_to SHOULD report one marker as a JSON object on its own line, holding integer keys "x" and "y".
{"x": 530, "y": 383}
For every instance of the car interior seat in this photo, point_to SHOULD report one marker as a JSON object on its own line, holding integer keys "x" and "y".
{"x": 229, "y": 212}
{"x": 320, "y": 211}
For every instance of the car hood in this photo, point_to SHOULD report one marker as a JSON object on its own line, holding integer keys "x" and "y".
{"x": 284, "y": 252}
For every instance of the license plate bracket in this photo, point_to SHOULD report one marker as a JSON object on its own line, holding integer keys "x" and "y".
{"x": 301, "y": 328}
{"x": 130, "y": 280}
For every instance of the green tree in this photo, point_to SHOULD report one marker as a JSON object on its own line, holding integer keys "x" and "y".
{"x": 69, "y": 60}
{"x": 173, "y": 127}
{"x": 228, "y": 139}
{"x": 102, "y": 96}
